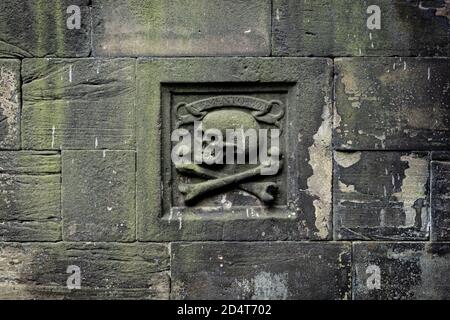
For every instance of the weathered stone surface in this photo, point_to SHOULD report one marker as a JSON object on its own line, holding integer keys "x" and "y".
{"x": 401, "y": 270}
{"x": 392, "y": 103}
{"x": 440, "y": 200}
{"x": 261, "y": 270}
{"x": 98, "y": 195}
{"x": 108, "y": 271}
{"x": 181, "y": 28}
{"x": 30, "y": 208}
{"x": 305, "y": 212}
{"x": 339, "y": 28}
{"x": 78, "y": 104}
{"x": 9, "y": 104}
{"x": 381, "y": 195}
{"x": 38, "y": 28}
{"x": 440, "y": 156}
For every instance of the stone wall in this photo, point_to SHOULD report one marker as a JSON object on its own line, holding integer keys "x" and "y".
{"x": 88, "y": 190}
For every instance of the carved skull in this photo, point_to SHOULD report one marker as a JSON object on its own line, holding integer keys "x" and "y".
{"x": 231, "y": 119}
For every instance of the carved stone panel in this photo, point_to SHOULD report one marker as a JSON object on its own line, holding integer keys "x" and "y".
{"x": 275, "y": 184}
{"x": 230, "y": 186}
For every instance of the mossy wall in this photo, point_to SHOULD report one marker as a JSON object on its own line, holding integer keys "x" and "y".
{"x": 84, "y": 175}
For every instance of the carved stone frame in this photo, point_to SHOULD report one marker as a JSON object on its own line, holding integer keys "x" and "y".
{"x": 308, "y": 92}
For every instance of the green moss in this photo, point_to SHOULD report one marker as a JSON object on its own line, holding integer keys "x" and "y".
{"x": 49, "y": 27}
{"x": 160, "y": 14}
{"x": 40, "y": 26}
{"x": 355, "y": 42}
{"x": 54, "y": 115}
{"x": 56, "y": 112}
{"x": 59, "y": 28}
{"x": 150, "y": 12}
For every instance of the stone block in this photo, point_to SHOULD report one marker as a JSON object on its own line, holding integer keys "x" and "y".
{"x": 38, "y": 28}
{"x": 300, "y": 88}
{"x": 10, "y": 100}
{"x": 261, "y": 271}
{"x": 340, "y": 28}
{"x": 392, "y": 104}
{"x": 401, "y": 271}
{"x": 78, "y": 104}
{"x": 105, "y": 270}
{"x": 381, "y": 195}
{"x": 30, "y": 192}
{"x": 181, "y": 28}
{"x": 98, "y": 195}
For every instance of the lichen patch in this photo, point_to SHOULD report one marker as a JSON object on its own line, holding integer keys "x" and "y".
{"x": 9, "y": 108}
{"x": 319, "y": 183}
{"x": 265, "y": 286}
{"x": 347, "y": 159}
{"x": 413, "y": 193}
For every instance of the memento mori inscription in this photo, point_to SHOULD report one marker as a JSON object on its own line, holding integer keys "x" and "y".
{"x": 226, "y": 148}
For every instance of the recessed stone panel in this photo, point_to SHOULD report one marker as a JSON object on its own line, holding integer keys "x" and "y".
{"x": 234, "y": 201}
{"x": 381, "y": 195}
{"x": 224, "y": 107}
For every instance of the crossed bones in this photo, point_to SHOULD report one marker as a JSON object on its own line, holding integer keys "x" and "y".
{"x": 265, "y": 191}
